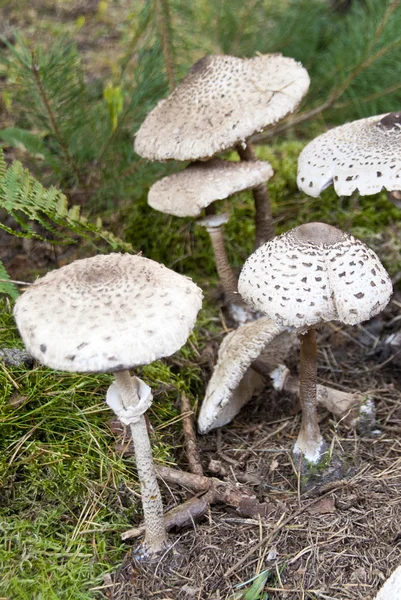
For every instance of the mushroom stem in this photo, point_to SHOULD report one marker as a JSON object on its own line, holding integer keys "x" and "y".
{"x": 228, "y": 279}
{"x": 155, "y": 537}
{"x": 264, "y": 228}
{"x": 310, "y": 441}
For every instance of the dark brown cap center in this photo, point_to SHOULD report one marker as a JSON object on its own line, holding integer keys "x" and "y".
{"x": 318, "y": 234}
{"x": 391, "y": 121}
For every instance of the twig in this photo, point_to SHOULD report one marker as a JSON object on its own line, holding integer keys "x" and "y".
{"x": 180, "y": 516}
{"x": 194, "y": 461}
{"x": 338, "y": 92}
{"x": 214, "y": 491}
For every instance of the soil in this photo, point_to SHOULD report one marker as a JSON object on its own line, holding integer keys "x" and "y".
{"x": 339, "y": 540}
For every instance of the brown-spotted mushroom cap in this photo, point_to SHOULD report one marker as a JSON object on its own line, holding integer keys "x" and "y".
{"x": 233, "y": 381}
{"x": 187, "y": 193}
{"x": 315, "y": 273}
{"x": 107, "y": 313}
{"x": 222, "y": 101}
{"x": 364, "y": 155}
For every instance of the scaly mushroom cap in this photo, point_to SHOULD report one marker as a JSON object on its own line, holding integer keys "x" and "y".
{"x": 233, "y": 381}
{"x": 315, "y": 273}
{"x": 107, "y": 313}
{"x": 364, "y": 155}
{"x": 187, "y": 193}
{"x": 222, "y": 101}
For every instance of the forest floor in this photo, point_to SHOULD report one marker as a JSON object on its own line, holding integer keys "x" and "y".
{"x": 336, "y": 541}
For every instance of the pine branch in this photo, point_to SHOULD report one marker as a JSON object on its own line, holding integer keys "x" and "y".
{"x": 56, "y": 130}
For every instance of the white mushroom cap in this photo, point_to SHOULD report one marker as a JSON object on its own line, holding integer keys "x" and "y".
{"x": 364, "y": 155}
{"x": 315, "y": 273}
{"x": 233, "y": 381}
{"x": 107, "y": 313}
{"x": 222, "y": 101}
{"x": 391, "y": 589}
{"x": 187, "y": 193}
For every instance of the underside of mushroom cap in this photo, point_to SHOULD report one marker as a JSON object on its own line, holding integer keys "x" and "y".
{"x": 222, "y": 101}
{"x": 315, "y": 273}
{"x": 187, "y": 193}
{"x": 236, "y": 354}
{"x": 107, "y": 313}
{"x": 364, "y": 155}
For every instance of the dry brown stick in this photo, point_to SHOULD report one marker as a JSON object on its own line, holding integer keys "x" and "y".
{"x": 215, "y": 491}
{"x": 180, "y": 516}
{"x": 197, "y": 483}
{"x": 194, "y": 461}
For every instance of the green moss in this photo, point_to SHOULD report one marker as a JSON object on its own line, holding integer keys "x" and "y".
{"x": 65, "y": 494}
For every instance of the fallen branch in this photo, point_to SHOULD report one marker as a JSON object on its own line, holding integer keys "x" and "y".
{"x": 213, "y": 491}
{"x": 194, "y": 461}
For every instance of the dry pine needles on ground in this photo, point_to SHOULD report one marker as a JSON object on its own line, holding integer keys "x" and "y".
{"x": 337, "y": 541}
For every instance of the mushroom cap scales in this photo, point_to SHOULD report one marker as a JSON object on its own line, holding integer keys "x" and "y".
{"x": 107, "y": 313}
{"x": 222, "y": 101}
{"x": 312, "y": 274}
{"x": 187, "y": 193}
{"x": 364, "y": 155}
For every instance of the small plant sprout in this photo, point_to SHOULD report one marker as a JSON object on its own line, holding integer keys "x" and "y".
{"x": 308, "y": 276}
{"x": 110, "y": 314}
{"x": 218, "y": 106}
{"x": 363, "y": 155}
{"x": 187, "y": 193}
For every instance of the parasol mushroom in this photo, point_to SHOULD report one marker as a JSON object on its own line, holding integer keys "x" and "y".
{"x": 363, "y": 155}
{"x": 221, "y": 102}
{"x": 110, "y": 314}
{"x": 310, "y": 275}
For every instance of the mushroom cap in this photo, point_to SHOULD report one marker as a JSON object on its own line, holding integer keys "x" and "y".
{"x": 234, "y": 382}
{"x": 107, "y": 313}
{"x": 364, "y": 155}
{"x": 315, "y": 273}
{"x": 187, "y": 193}
{"x": 222, "y": 101}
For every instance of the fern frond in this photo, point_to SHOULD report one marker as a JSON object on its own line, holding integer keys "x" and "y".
{"x": 27, "y": 201}
{"x": 6, "y": 286}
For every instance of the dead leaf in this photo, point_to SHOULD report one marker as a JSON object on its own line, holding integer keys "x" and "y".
{"x": 325, "y": 505}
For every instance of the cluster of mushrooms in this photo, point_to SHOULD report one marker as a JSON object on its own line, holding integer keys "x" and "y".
{"x": 116, "y": 312}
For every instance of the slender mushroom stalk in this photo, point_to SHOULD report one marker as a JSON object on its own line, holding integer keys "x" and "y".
{"x": 264, "y": 227}
{"x": 341, "y": 404}
{"x": 310, "y": 440}
{"x": 197, "y": 188}
{"x": 313, "y": 274}
{"x": 213, "y": 225}
{"x": 155, "y": 530}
